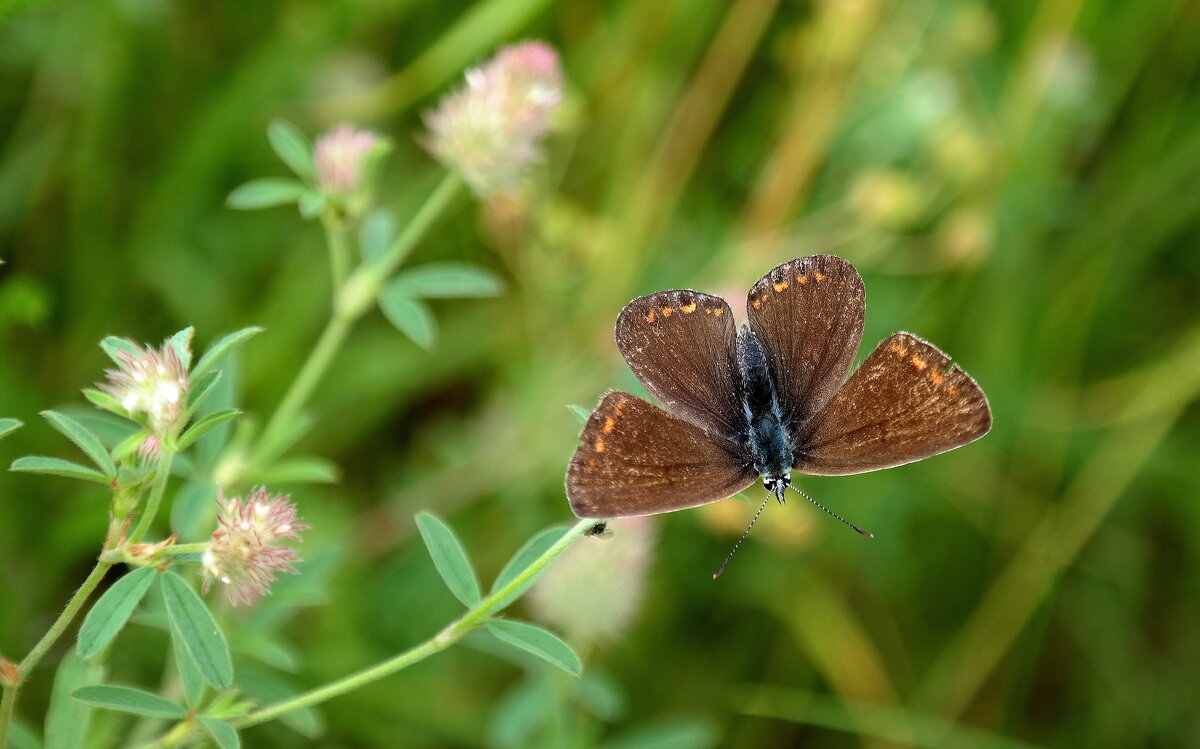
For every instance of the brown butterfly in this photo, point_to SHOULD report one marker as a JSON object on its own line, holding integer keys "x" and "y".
{"x": 765, "y": 400}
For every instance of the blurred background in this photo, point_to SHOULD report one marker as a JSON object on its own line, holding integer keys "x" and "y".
{"x": 1016, "y": 182}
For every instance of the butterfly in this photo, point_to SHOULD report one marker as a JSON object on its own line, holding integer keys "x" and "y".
{"x": 762, "y": 401}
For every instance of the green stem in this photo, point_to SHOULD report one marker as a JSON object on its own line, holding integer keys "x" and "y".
{"x": 339, "y": 250}
{"x": 7, "y": 702}
{"x": 475, "y": 618}
{"x": 352, "y": 299}
{"x": 162, "y": 472}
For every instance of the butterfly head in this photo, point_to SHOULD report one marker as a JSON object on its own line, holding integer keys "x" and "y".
{"x": 777, "y": 484}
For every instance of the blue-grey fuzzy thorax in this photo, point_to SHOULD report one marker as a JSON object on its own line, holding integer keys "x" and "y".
{"x": 769, "y": 444}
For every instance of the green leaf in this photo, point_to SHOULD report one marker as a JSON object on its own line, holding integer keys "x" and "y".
{"x": 200, "y": 388}
{"x": 128, "y": 700}
{"x": 189, "y": 672}
{"x": 311, "y": 204}
{"x": 538, "y": 641}
{"x": 581, "y": 413}
{"x": 196, "y": 628}
{"x": 292, "y": 147}
{"x": 375, "y": 235}
{"x": 103, "y": 400}
{"x": 305, "y": 470}
{"x": 112, "y": 610}
{"x": 447, "y": 280}
{"x": 449, "y": 558}
{"x": 265, "y": 193}
{"x": 182, "y": 343}
{"x": 221, "y": 348}
{"x": 410, "y": 316}
{"x": 68, "y": 720}
{"x": 8, "y": 425}
{"x": 520, "y": 714}
{"x": 224, "y": 734}
{"x": 204, "y": 426}
{"x": 525, "y": 556}
{"x": 113, "y": 345}
{"x": 57, "y": 467}
{"x": 83, "y": 439}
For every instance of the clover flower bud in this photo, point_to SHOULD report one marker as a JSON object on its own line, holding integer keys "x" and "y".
{"x": 152, "y": 382}
{"x": 491, "y": 130}
{"x": 242, "y": 554}
{"x": 341, "y": 158}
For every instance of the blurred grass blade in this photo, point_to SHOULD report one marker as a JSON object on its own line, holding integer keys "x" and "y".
{"x": 225, "y": 735}
{"x": 191, "y": 621}
{"x": 304, "y": 470}
{"x": 411, "y": 317}
{"x": 182, "y": 343}
{"x": 265, "y": 193}
{"x": 215, "y": 353}
{"x": 204, "y": 426}
{"x": 446, "y": 280}
{"x": 113, "y": 346}
{"x": 112, "y": 610}
{"x": 543, "y": 644}
{"x": 127, "y": 700}
{"x": 83, "y": 439}
{"x": 68, "y": 720}
{"x": 57, "y": 467}
{"x": 536, "y": 546}
{"x": 292, "y": 147}
{"x": 581, "y": 413}
{"x": 376, "y": 234}
{"x": 449, "y": 557}
{"x": 8, "y": 425}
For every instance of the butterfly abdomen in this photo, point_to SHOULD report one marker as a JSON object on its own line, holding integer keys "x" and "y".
{"x": 769, "y": 445}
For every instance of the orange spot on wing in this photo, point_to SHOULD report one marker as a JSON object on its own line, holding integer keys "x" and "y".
{"x": 599, "y": 444}
{"x": 718, "y": 311}
{"x": 952, "y": 391}
{"x": 819, "y": 276}
{"x": 897, "y": 349}
{"x": 687, "y": 309}
{"x": 609, "y": 423}
{"x": 756, "y": 304}
{"x": 666, "y": 311}
{"x": 619, "y": 408}
{"x": 936, "y": 376}
{"x": 650, "y": 316}
{"x": 919, "y": 363}
{"x": 802, "y": 279}
{"x": 781, "y": 286}
{"x": 592, "y": 463}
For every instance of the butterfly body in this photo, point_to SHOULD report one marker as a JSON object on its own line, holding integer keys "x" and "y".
{"x": 765, "y": 401}
{"x": 769, "y": 449}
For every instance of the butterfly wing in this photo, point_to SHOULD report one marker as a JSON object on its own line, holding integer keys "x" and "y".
{"x": 681, "y": 346}
{"x": 903, "y": 404}
{"x": 808, "y": 315}
{"x": 637, "y": 459}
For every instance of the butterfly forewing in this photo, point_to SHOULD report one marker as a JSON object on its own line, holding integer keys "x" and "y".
{"x": 808, "y": 315}
{"x": 682, "y": 346}
{"x": 903, "y": 404}
{"x": 637, "y": 459}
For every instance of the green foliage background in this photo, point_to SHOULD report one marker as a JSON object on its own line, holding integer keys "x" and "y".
{"x": 1017, "y": 183}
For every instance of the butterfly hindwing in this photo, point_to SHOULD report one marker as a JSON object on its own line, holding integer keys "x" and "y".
{"x": 682, "y": 346}
{"x": 637, "y": 459}
{"x": 903, "y": 404}
{"x": 808, "y": 315}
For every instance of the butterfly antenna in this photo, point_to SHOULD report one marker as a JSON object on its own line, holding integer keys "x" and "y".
{"x": 733, "y": 551}
{"x": 829, "y": 512}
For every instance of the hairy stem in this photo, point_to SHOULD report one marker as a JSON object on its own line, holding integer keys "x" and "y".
{"x": 162, "y": 472}
{"x": 473, "y": 619}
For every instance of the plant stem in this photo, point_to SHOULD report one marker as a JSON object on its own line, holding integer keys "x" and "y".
{"x": 352, "y": 299}
{"x": 162, "y": 472}
{"x": 7, "y": 702}
{"x": 339, "y": 251}
{"x": 473, "y": 619}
